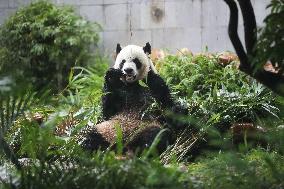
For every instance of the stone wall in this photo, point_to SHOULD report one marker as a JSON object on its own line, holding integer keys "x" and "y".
{"x": 169, "y": 24}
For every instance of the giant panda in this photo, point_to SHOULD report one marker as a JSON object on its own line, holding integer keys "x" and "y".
{"x": 125, "y": 101}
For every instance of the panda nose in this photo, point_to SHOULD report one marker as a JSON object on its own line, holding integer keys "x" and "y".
{"x": 128, "y": 70}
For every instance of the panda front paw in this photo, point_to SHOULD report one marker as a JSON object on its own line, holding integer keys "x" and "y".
{"x": 113, "y": 77}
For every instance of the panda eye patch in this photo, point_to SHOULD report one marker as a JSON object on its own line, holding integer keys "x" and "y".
{"x": 137, "y": 62}
{"x": 122, "y": 63}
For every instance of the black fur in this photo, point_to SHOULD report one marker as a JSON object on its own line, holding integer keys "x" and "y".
{"x": 122, "y": 63}
{"x": 118, "y": 48}
{"x": 147, "y": 48}
{"x": 146, "y": 137}
{"x": 137, "y": 63}
{"x": 159, "y": 90}
{"x": 93, "y": 140}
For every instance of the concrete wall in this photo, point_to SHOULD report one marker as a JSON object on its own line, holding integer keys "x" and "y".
{"x": 169, "y": 24}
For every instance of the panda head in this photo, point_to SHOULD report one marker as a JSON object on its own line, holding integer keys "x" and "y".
{"x": 134, "y": 62}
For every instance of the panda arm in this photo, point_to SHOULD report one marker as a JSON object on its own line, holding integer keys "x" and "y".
{"x": 161, "y": 93}
{"x": 159, "y": 90}
{"x": 110, "y": 98}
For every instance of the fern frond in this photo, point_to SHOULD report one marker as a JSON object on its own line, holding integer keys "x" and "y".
{"x": 11, "y": 107}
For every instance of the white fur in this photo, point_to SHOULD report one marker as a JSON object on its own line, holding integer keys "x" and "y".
{"x": 130, "y": 52}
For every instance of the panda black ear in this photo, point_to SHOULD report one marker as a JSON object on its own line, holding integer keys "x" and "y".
{"x": 118, "y": 48}
{"x": 147, "y": 48}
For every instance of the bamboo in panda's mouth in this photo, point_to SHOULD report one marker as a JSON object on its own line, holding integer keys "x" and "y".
{"x": 128, "y": 77}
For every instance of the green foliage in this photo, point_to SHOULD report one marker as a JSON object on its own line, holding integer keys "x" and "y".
{"x": 194, "y": 76}
{"x": 42, "y": 42}
{"x": 11, "y": 108}
{"x": 81, "y": 99}
{"x": 217, "y": 92}
{"x": 88, "y": 82}
{"x": 270, "y": 44}
{"x": 217, "y": 96}
{"x": 74, "y": 108}
{"x": 37, "y": 142}
{"x": 228, "y": 170}
{"x": 103, "y": 171}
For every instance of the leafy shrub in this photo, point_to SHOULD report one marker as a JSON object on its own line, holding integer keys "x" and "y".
{"x": 257, "y": 169}
{"x": 76, "y": 106}
{"x": 270, "y": 43}
{"x": 41, "y": 42}
{"x": 81, "y": 99}
{"x": 100, "y": 170}
{"x": 214, "y": 89}
{"x": 88, "y": 82}
{"x": 218, "y": 95}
